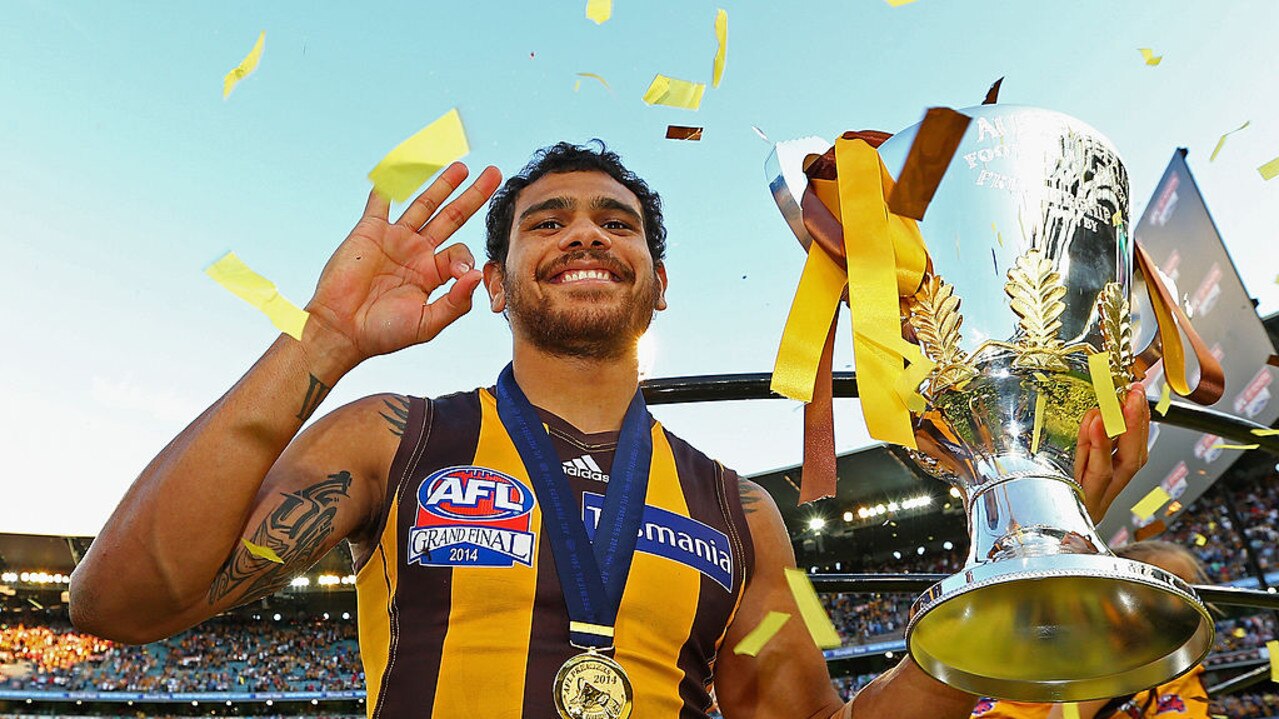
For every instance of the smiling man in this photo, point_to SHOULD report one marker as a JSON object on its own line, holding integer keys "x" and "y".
{"x": 539, "y": 548}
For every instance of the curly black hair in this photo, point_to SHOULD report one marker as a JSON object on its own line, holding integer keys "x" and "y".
{"x": 567, "y": 157}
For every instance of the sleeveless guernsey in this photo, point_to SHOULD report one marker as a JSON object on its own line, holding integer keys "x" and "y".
{"x": 460, "y": 608}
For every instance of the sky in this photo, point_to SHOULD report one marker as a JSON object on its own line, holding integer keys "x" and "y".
{"x": 127, "y": 173}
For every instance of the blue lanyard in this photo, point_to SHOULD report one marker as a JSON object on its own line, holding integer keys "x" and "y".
{"x": 592, "y": 575}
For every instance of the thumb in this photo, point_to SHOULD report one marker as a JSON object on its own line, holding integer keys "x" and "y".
{"x": 447, "y": 308}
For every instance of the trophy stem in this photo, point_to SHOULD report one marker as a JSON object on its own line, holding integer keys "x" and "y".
{"x": 1029, "y": 516}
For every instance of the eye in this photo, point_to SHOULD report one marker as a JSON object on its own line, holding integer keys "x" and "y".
{"x": 616, "y": 225}
{"x": 547, "y": 225}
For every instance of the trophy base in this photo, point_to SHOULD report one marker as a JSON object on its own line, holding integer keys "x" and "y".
{"x": 1063, "y": 628}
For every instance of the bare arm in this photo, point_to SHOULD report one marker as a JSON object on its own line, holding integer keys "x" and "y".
{"x": 172, "y": 554}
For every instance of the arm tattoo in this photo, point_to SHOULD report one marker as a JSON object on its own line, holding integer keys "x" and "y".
{"x": 296, "y": 531}
{"x": 399, "y": 416}
{"x": 315, "y": 394}
{"x": 750, "y": 493}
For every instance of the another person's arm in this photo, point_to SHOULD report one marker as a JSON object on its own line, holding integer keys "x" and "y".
{"x": 172, "y": 554}
{"x": 789, "y": 680}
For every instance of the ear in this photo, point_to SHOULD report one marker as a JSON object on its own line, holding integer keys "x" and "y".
{"x": 493, "y": 284}
{"x": 661, "y": 285}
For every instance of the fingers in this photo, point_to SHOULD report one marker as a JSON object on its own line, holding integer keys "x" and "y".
{"x": 422, "y": 207}
{"x": 453, "y": 262}
{"x": 1131, "y": 449}
{"x": 378, "y": 205}
{"x": 1082, "y": 445}
{"x": 1098, "y": 470}
{"x": 457, "y": 212}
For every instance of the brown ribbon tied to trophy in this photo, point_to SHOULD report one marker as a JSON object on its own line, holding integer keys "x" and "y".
{"x": 877, "y": 269}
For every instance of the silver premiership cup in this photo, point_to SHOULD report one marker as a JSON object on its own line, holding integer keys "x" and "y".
{"x": 1031, "y": 267}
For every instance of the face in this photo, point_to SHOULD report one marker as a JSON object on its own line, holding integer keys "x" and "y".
{"x": 579, "y": 280}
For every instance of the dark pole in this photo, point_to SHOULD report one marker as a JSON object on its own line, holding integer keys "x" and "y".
{"x": 1253, "y": 565}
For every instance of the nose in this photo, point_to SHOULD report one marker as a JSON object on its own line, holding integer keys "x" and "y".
{"x": 583, "y": 234}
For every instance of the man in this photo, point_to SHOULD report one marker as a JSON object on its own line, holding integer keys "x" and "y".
{"x": 478, "y": 595}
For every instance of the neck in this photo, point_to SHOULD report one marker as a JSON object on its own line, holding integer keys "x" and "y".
{"x": 592, "y": 395}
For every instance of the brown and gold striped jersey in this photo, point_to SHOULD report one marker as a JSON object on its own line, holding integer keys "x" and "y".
{"x": 460, "y": 608}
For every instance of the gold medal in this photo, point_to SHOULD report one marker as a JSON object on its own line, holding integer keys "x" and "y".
{"x": 593, "y": 686}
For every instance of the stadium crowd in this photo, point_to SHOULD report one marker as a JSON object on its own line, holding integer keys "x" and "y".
{"x": 229, "y": 653}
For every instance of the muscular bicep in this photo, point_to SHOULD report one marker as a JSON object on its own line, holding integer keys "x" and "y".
{"x": 326, "y": 487}
{"x": 788, "y": 677}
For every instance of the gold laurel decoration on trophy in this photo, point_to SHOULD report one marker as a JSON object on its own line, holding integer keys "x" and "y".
{"x": 934, "y": 313}
{"x": 1116, "y": 331}
{"x": 1036, "y": 289}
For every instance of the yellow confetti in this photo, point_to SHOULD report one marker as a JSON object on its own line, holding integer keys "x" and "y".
{"x": 1151, "y": 503}
{"x": 810, "y": 608}
{"x": 245, "y": 68}
{"x": 675, "y": 93}
{"x": 1165, "y": 400}
{"x": 1069, "y": 711}
{"x": 577, "y": 85}
{"x": 1039, "y": 423}
{"x": 761, "y": 634}
{"x": 595, "y": 77}
{"x": 235, "y": 276}
{"x": 1200, "y": 540}
{"x": 259, "y": 551}
{"x": 599, "y": 11}
{"x": 907, "y": 387}
{"x": 1223, "y": 445}
{"x": 1269, "y": 170}
{"x": 413, "y": 161}
{"x": 721, "y": 34}
{"x": 1272, "y": 646}
{"x": 1103, "y": 384}
{"x": 1222, "y": 141}
{"x": 998, "y": 237}
{"x": 1265, "y": 432}
{"x": 899, "y": 3}
{"x": 1149, "y": 56}
{"x": 1239, "y": 633}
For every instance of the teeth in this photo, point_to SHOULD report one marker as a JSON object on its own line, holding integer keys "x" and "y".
{"x": 575, "y": 275}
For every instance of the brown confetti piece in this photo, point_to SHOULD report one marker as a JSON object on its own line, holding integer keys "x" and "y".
{"x": 682, "y": 132}
{"x": 992, "y": 95}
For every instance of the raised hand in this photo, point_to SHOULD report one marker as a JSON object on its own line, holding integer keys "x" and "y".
{"x": 372, "y": 297}
{"x": 1104, "y": 466}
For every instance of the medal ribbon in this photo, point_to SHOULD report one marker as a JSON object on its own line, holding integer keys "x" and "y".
{"x": 592, "y": 574}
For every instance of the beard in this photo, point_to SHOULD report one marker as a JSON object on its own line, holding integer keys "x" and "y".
{"x": 596, "y": 326}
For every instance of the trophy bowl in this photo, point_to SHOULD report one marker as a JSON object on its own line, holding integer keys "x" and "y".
{"x": 1028, "y": 277}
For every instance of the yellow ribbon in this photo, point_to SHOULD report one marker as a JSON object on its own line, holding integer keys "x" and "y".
{"x": 816, "y": 300}
{"x": 886, "y": 259}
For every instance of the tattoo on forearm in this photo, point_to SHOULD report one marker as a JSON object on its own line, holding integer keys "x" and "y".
{"x": 296, "y": 531}
{"x": 399, "y": 416}
{"x": 750, "y": 494}
{"x": 315, "y": 394}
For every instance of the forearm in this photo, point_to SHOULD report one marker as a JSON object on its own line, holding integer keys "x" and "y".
{"x": 907, "y": 691}
{"x": 158, "y": 553}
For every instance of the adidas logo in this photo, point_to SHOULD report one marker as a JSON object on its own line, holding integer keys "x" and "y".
{"x": 584, "y": 467}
